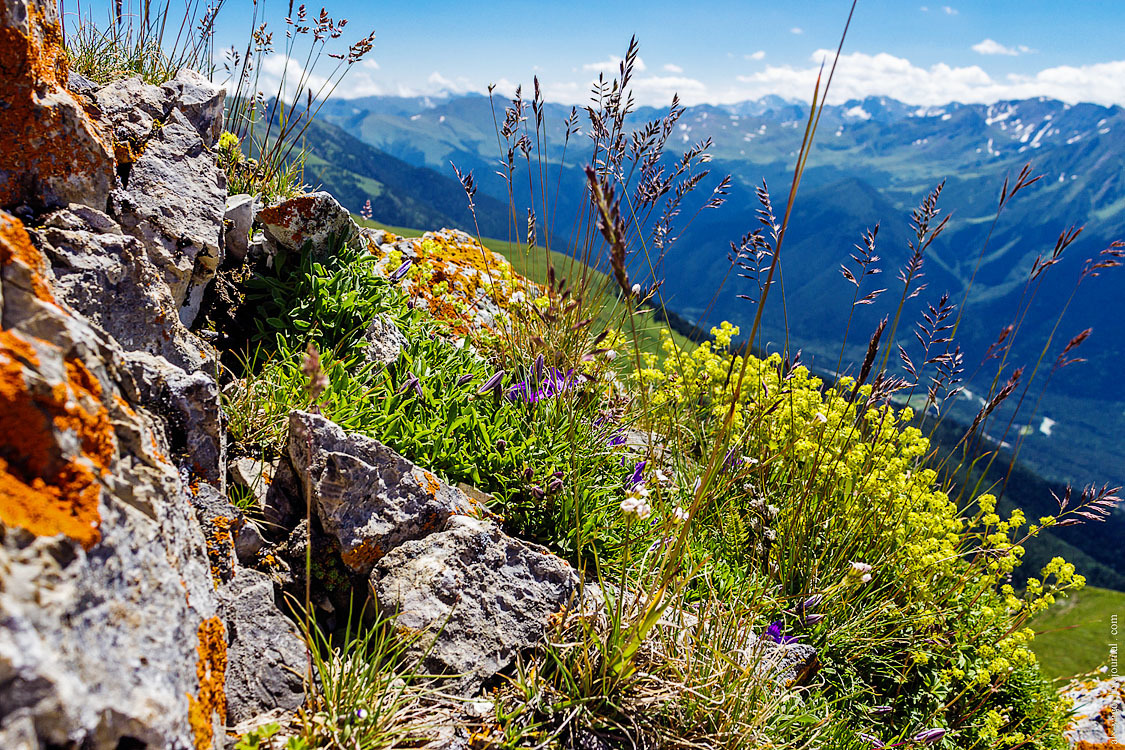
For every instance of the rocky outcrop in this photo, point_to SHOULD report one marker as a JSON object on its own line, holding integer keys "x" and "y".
{"x": 266, "y": 654}
{"x": 366, "y": 495}
{"x": 126, "y": 619}
{"x": 107, "y": 277}
{"x": 470, "y": 598}
{"x": 173, "y": 200}
{"x": 109, "y": 614}
{"x": 51, "y": 153}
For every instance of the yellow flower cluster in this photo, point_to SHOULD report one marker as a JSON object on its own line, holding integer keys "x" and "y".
{"x": 867, "y": 462}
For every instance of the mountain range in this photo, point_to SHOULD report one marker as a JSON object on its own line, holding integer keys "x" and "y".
{"x": 872, "y": 162}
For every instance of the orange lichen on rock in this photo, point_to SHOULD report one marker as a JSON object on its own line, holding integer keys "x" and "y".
{"x": 430, "y": 483}
{"x": 219, "y": 538}
{"x": 16, "y": 245}
{"x": 283, "y": 213}
{"x": 49, "y": 147}
{"x": 363, "y": 556}
{"x": 211, "y": 670}
{"x": 43, "y": 490}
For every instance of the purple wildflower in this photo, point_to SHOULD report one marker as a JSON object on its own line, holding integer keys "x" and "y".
{"x": 464, "y": 379}
{"x": 638, "y": 474}
{"x": 491, "y": 383}
{"x": 399, "y": 272}
{"x": 930, "y": 736}
{"x": 616, "y": 439}
{"x": 871, "y": 739}
{"x": 774, "y": 632}
{"x": 554, "y": 383}
{"x": 812, "y": 602}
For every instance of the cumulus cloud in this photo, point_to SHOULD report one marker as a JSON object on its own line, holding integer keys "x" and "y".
{"x": 612, "y": 64}
{"x": 759, "y": 55}
{"x": 993, "y": 47}
{"x": 949, "y": 11}
{"x": 860, "y": 75}
{"x": 796, "y": 30}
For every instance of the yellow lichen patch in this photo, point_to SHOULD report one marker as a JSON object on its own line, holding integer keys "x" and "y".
{"x": 42, "y": 490}
{"x": 453, "y": 277}
{"x": 210, "y": 669}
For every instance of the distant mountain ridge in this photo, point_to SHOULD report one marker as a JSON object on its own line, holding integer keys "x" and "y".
{"x": 873, "y": 161}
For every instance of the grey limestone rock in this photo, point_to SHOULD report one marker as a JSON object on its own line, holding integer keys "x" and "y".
{"x": 173, "y": 201}
{"x": 266, "y": 657}
{"x": 108, "y": 615}
{"x": 785, "y": 664}
{"x": 473, "y": 598}
{"x": 51, "y": 152}
{"x": 384, "y": 341}
{"x": 190, "y": 403}
{"x": 366, "y": 495}
{"x": 107, "y": 277}
{"x": 200, "y": 101}
{"x": 239, "y": 217}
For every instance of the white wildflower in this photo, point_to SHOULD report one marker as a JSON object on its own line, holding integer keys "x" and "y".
{"x": 860, "y": 571}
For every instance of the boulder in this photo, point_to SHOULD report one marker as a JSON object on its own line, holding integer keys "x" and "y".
{"x": 266, "y": 656}
{"x": 51, "y": 152}
{"x": 315, "y": 218}
{"x": 470, "y": 598}
{"x": 109, "y": 634}
{"x": 1099, "y": 713}
{"x": 368, "y": 497}
{"x": 254, "y": 476}
{"x": 173, "y": 200}
{"x": 783, "y": 664}
{"x": 107, "y": 277}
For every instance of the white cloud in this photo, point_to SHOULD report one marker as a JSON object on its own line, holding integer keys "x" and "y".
{"x": 669, "y": 67}
{"x": 658, "y": 90}
{"x": 993, "y": 47}
{"x": 612, "y": 64}
{"x": 949, "y": 11}
{"x": 439, "y": 84}
{"x": 369, "y": 63}
{"x": 925, "y": 9}
{"x": 796, "y": 30}
{"x": 860, "y": 75}
{"x": 759, "y": 55}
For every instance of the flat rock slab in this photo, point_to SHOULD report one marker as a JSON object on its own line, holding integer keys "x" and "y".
{"x": 366, "y": 495}
{"x": 470, "y": 598}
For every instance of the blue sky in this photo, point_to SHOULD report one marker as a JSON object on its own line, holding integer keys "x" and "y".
{"x": 724, "y": 51}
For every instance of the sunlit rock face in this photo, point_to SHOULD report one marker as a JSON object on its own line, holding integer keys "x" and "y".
{"x": 51, "y": 152}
